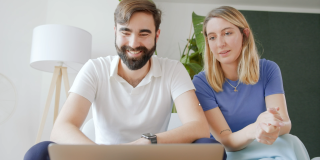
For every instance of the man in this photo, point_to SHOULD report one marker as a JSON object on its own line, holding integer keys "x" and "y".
{"x": 131, "y": 93}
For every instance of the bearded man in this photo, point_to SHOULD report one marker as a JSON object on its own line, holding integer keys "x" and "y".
{"x": 131, "y": 93}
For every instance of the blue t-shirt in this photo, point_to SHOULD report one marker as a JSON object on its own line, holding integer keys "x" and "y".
{"x": 243, "y": 107}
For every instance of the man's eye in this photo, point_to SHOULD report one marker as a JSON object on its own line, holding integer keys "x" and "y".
{"x": 125, "y": 33}
{"x": 143, "y": 35}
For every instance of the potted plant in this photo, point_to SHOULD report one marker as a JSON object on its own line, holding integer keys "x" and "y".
{"x": 192, "y": 55}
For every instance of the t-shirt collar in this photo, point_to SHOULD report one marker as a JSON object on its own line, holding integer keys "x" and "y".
{"x": 114, "y": 66}
{"x": 155, "y": 69}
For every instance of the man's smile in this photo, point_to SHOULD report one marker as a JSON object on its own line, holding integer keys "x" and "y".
{"x": 134, "y": 53}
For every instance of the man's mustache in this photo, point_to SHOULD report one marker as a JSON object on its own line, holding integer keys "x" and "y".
{"x": 140, "y": 48}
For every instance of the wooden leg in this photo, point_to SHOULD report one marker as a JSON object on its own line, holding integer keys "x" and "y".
{"x": 57, "y": 97}
{"x": 65, "y": 80}
{"x": 48, "y": 102}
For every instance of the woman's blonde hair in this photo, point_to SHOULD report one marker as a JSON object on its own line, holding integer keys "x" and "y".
{"x": 248, "y": 67}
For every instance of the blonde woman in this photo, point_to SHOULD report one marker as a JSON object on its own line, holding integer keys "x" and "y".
{"x": 242, "y": 95}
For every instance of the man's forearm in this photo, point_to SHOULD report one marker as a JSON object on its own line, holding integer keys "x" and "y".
{"x": 68, "y": 134}
{"x": 187, "y": 133}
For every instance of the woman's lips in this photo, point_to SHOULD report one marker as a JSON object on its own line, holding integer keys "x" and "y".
{"x": 224, "y": 53}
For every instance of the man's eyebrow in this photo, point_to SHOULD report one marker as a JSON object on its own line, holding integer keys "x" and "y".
{"x": 125, "y": 29}
{"x": 145, "y": 30}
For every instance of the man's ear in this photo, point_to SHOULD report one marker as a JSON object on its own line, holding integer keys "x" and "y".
{"x": 157, "y": 35}
{"x": 246, "y": 31}
{"x": 115, "y": 29}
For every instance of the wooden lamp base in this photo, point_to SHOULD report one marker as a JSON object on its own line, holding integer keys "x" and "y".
{"x": 58, "y": 73}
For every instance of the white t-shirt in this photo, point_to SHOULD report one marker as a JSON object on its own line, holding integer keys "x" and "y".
{"x": 122, "y": 113}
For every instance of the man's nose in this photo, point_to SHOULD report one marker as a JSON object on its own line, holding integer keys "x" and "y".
{"x": 134, "y": 42}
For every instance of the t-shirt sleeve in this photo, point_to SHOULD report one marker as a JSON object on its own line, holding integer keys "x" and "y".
{"x": 85, "y": 83}
{"x": 272, "y": 79}
{"x": 204, "y": 92}
{"x": 180, "y": 82}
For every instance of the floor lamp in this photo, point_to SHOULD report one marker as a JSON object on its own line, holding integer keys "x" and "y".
{"x": 59, "y": 49}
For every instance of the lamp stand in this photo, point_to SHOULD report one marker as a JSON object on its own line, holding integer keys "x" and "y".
{"x": 58, "y": 73}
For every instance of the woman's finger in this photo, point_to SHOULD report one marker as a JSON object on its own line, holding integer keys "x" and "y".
{"x": 263, "y": 138}
{"x": 273, "y": 109}
{"x": 274, "y": 122}
{"x": 263, "y": 141}
{"x": 269, "y": 115}
{"x": 268, "y": 128}
{"x": 271, "y": 120}
{"x": 274, "y": 112}
{"x": 267, "y": 138}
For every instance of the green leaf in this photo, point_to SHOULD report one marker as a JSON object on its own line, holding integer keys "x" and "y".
{"x": 194, "y": 48}
{"x": 183, "y": 59}
{"x": 194, "y": 55}
{"x": 183, "y": 53}
{"x": 174, "y": 109}
{"x": 197, "y": 25}
{"x": 187, "y": 67}
{"x": 196, "y": 68}
{"x": 193, "y": 41}
{"x": 189, "y": 49}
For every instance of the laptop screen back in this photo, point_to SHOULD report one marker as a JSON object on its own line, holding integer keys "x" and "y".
{"x": 137, "y": 152}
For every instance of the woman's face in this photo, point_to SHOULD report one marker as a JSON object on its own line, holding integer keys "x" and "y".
{"x": 225, "y": 40}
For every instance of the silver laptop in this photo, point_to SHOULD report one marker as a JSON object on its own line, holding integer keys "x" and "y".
{"x": 137, "y": 152}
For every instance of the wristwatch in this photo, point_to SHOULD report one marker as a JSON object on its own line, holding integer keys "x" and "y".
{"x": 151, "y": 137}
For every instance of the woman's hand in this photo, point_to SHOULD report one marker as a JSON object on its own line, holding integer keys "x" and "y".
{"x": 267, "y": 134}
{"x": 271, "y": 116}
{"x": 268, "y": 126}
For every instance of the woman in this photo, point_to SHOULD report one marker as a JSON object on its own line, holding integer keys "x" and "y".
{"x": 242, "y": 96}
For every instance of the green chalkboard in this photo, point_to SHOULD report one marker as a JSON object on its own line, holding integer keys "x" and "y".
{"x": 292, "y": 40}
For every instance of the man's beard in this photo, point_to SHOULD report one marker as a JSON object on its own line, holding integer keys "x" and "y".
{"x": 135, "y": 63}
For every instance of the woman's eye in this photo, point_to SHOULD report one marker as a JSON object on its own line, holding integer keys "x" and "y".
{"x": 228, "y": 33}
{"x": 211, "y": 38}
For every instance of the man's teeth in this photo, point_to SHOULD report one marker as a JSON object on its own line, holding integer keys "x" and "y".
{"x": 134, "y": 52}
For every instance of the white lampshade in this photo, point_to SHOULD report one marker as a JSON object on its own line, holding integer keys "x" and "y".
{"x": 56, "y": 45}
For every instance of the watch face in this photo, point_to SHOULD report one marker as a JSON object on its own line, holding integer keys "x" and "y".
{"x": 150, "y": 135}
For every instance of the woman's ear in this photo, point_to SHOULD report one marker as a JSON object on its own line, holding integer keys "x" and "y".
{"x": 246, "y": 31}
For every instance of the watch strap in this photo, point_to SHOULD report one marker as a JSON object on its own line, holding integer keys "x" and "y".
{"x": 153, "y": 140}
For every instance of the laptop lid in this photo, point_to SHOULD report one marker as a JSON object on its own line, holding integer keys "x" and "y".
{"x": 137, "y": 152}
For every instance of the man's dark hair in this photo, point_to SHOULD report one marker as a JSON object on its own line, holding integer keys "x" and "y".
{"x": 126, "y": 8}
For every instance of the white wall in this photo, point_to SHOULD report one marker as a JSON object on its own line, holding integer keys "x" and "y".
{"x": 96, "y": 17}
{"x": 17, "y": 19}
{"x": 176, "y": 25}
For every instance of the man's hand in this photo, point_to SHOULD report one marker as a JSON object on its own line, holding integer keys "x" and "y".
{"x": 140, "y": 142}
